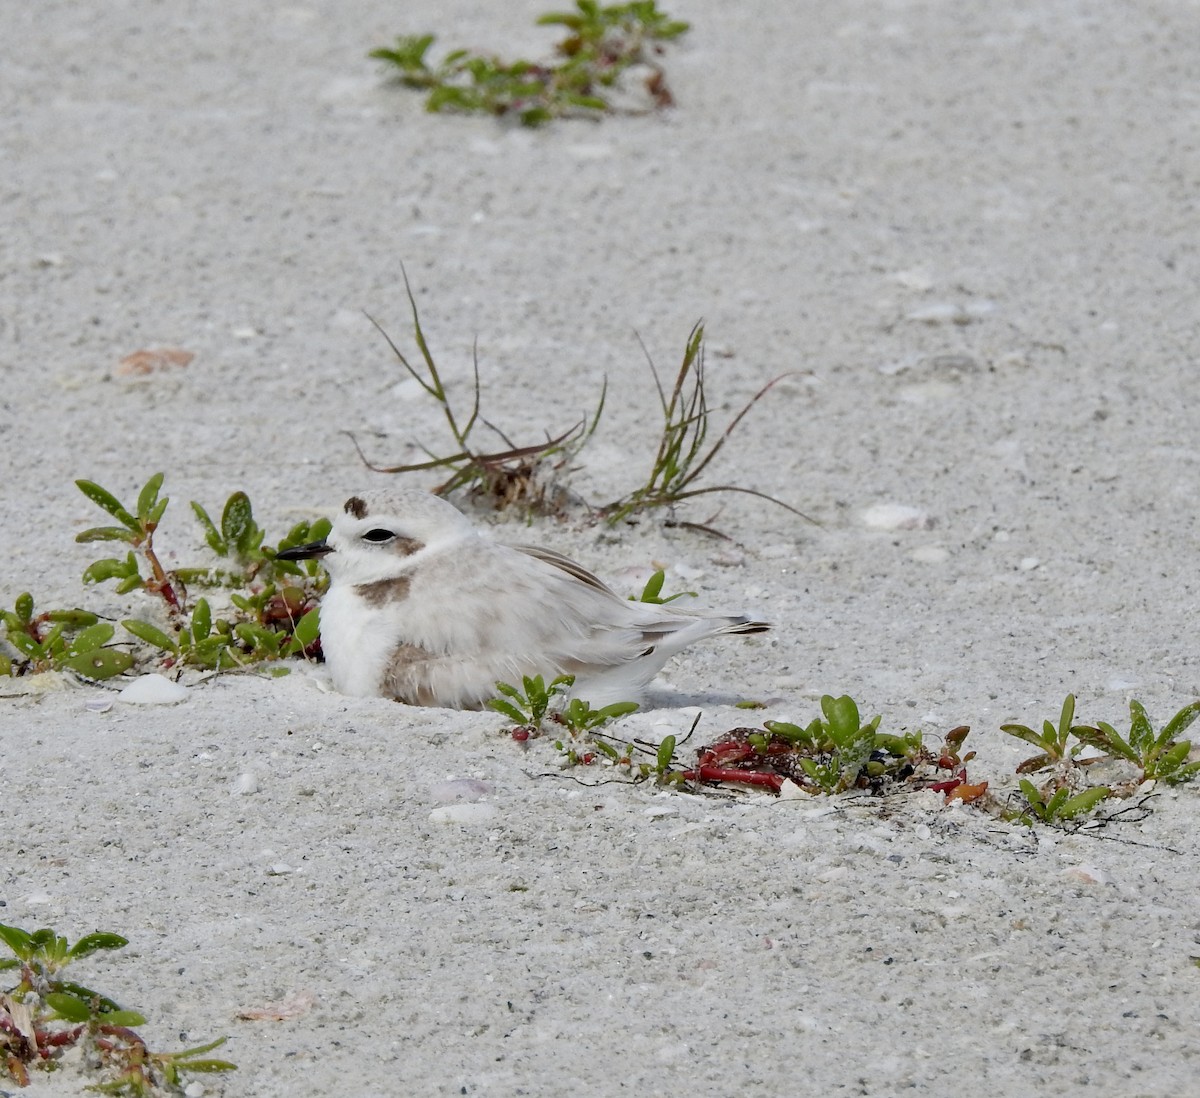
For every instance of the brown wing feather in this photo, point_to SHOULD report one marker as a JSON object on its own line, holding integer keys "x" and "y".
{"x": 565, "y": 564}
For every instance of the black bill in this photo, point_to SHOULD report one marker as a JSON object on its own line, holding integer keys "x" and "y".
{"x": 305, "y": 552}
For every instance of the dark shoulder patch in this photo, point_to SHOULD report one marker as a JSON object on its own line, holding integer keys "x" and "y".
{"x": 383, "y": 592}
{"x": 356, "y": 507}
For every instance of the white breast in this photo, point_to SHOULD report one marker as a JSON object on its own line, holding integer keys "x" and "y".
{"x": 356, "y": 639}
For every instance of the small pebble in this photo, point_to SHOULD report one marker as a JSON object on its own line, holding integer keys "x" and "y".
{"x": 459, "y": 791}
{"x": 938, "y": 313}
{"x": 662, "y": 811}
{"x": 98, "y": 705}
{"x": 794, "y": 682}
{"x": 1119, "y": 684}
{"x": 463, "y": 813}
{"x": 194, "y": 1090}
{"x": 896, "y": 516}
{"x": 1028, "y": 564}
{"x": 941, "y": 312}
{"x": 817, "y": 813}
{"x": 153, "y": 690}
{"x": 915, "y": 278}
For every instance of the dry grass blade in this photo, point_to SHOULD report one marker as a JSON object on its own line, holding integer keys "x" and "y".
{"x": 515, "y": 475}
{"x": 491, "y": 461}
{"x": 681, "y": 458}
{"x": 433, "y": 385}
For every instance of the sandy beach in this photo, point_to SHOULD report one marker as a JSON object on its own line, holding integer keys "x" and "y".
{"x": 966, "y": 234}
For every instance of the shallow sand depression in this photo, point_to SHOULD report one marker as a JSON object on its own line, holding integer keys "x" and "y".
{"x": 968, "y": 235}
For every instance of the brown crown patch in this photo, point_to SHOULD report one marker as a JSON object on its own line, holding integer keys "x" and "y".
{"x": 356, "y": 506}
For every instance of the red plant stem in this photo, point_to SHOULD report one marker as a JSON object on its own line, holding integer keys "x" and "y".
{"x": 64, "y": 1037}
{"x": 952, "y": 783}
{"x": 162, "y": 583}
{"x": 705, "y": 773}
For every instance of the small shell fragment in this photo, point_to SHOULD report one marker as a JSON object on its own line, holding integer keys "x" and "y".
{"x": 463, "y": 813}
{"x": 661, "y": 811}
{"x": 459, "y": 791}
{"x": 1087, "y": 874}
{"x": 245, "y": 783}
{"x": 150, "y": 361}
{"x": 291, "y": 1007}
{"x": 153, "y": 690}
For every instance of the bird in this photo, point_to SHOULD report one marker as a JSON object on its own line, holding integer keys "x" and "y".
{"x": 424, "y": 608}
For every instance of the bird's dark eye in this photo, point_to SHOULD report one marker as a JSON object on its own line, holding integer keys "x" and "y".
{"x": 378, "y": 536}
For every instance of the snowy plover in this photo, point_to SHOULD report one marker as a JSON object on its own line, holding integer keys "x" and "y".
{"x": 423, "y": 608}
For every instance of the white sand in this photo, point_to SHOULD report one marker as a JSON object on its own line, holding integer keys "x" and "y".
{"x": 971, "y": 231}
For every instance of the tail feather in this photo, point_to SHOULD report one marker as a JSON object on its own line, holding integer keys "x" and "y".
{"x": 743, "y": 625}
{"x": 626, "y": 677}
{"x": 675, "y": 640}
